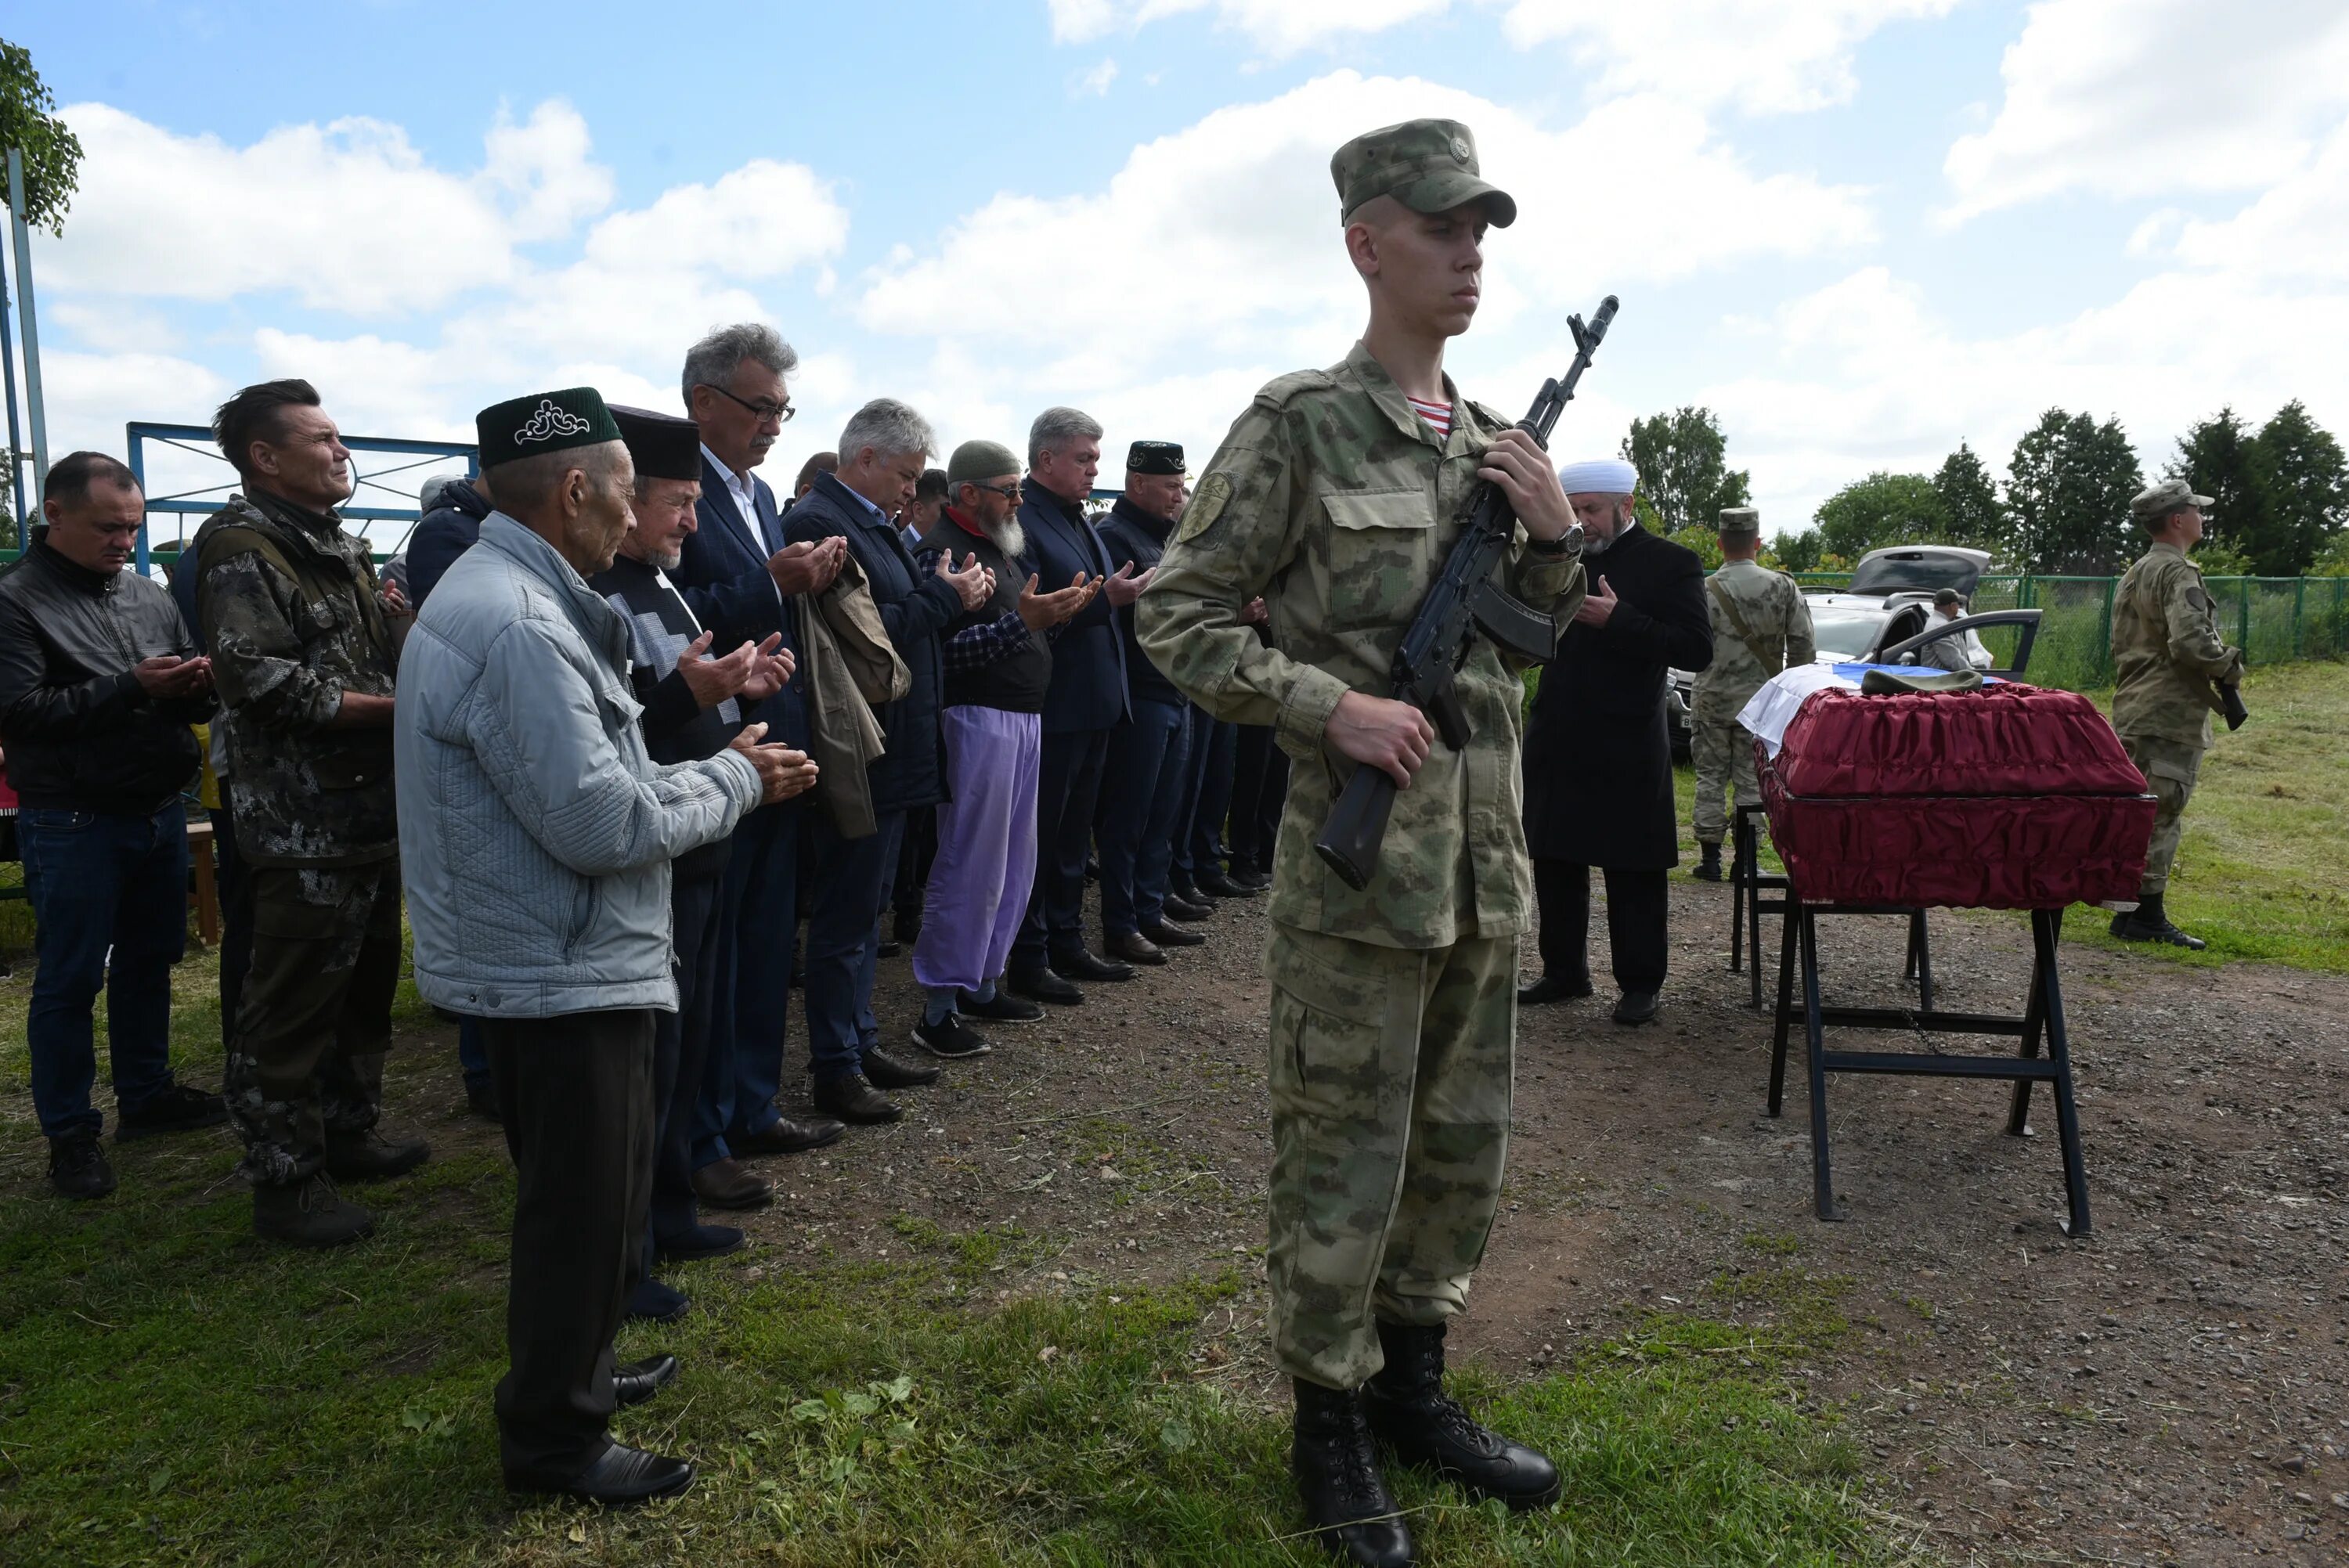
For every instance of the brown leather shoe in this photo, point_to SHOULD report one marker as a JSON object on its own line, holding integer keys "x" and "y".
{"x": 1133, "y": 947}
{"x": 851, "y": 1098}
{"x": 730, "y": 1185}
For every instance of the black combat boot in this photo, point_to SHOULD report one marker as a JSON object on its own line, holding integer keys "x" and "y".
{"x": 309, "y": 1215}
{"x": 1708, "y": 865}
{"x": 2148, "y": 921}
{"x": 1338, "y": 1476}
{"x": 1406, "y": 1406}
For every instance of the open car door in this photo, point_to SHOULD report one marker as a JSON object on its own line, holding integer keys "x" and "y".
{"x": 1905, "y": 650}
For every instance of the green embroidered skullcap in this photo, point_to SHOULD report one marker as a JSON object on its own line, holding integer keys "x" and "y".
{"x": 976, "y": 462}
{"x": 1428, "y": 165}
{"x": 543, "y": 422}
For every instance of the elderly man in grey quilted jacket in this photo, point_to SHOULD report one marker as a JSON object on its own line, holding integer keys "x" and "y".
{"x": 539, "y": 896}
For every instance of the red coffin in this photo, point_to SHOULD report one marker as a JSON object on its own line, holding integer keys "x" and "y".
{"x": 2011, "y": 797}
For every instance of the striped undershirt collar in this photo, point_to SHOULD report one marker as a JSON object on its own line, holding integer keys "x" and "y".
{"x": 1437, "y": 415}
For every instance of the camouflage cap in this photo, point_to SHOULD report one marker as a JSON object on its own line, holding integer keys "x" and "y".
{"x": 2152, "y": 504}
{"x": 1428, "y": 165}
{"x": 1740, "y": 520}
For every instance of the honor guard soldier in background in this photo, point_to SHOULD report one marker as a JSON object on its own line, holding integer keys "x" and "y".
{"x": 2168, "y": 663}
{"x": 1335, "y": 497}
{"x": 1760, "y": 627}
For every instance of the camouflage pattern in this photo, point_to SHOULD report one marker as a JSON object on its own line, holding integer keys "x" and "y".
{"x": 2170, "y": 769}
{"x": 1338, "y": 504}
{"x": 1770, "y": 611}
{"x": 1390, "y": 1079}
{"x": 288, "y": 605}
{"x": 1428, "y": 165}
{"x": 2167, "y": 651}
{"x": 305, "y": 1059}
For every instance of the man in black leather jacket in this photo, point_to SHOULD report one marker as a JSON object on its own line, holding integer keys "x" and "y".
{"x": 98, "y": 685}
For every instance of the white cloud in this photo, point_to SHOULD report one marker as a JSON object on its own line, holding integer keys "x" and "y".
{"x": 1280, "y": 27}
{"x": 347, "y": 216}
{"x": 1095, "y": 81}
{"x": 761, "y": 221}
{"x": 2298, "y": 227}
{"x": 2138, "y": 97}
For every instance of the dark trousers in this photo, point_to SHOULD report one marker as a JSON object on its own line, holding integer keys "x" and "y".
{"x": 680, "y": 1050}
{"x": 914, "y": 853}
{"x": 1199, "y": 821}
{"x": 98, "y": 882}
{"x": 844, "y": 942}
{"x": 1068, "y": 787}
{"x": 1637, "y": 935}
{"x": 758, "y": 915}
{"x": 1260, "y": 791}
{"x": 577, "y": 1094}
{"x": 234, "y": 879}
{"x": 1141, "y": 786}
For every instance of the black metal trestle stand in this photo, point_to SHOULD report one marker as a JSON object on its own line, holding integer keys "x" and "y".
{"x": 2043, "y": 1019}
{"x": 1748, "y": 882}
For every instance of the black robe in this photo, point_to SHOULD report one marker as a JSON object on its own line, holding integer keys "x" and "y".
{"x": 1599, "y": 757}
{"x": 676, "y": 727}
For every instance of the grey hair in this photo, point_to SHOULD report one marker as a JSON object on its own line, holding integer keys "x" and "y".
{"x": 1055, "y": 427}
{"x": 527, "y": 484}
{"x": 713, "y": 361}
{"x": 890, "y": 428}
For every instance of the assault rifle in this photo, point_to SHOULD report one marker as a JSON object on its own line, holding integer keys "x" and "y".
{"x": 1465, "y": 600}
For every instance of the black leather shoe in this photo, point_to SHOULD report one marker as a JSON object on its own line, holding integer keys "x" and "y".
{"x": 1249, "y": 878}
{"x": 1078, "y": 965}
{"x": 622, "y": 1477}
{"x": 906, "y": 925}
{"x": 730, "y": 1185}
{"x": 482, "y": 1099}
{"x": 312, "y": 1215}
{"x": 1215, "y": 884}
{"x": 851, "y": 1098}
{"x": 1044, "y": 986}
{"x": 1132, "y": 948}
{"x": 1552, "y": 988}
{"x": 368, "y": 1156}
{"x": 1353, "y": 1515}
{"x": 1708, "y": 865}
{"x": 78, "y": 1166}
{"x": 787, "y": 1137}
{"x": 1636, "y": 1007}
{"x": 700, "y": 1242}
{"x": 950, "y": 1038}
{"x": 889, "y": 948}
{"x": 1166, "y": 935}
{"x": 1191, "y": 909}
{"x": 640, "y": 1380}
{"x": 1000, "y": 1008}
{"x": 886, "y": 1071}
{"x": 1406, "y": 1407}
{"x": 179, "y": 1108}
{"x": 650, "y": 1301}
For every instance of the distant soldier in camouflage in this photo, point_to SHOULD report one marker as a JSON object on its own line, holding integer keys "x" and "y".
{"x": 1336, "y": 499}
{"x": 2168, "y": 663}
{"x": 304, "y": 663}
{"x": 1760, "y": 627}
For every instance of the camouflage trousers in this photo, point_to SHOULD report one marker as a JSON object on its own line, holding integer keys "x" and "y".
{"x": 1722, "y": 750}
{"x": 315, "y": 1018}
{"x": 1390, "y": 1078}
{"x": 2170, "y": 767}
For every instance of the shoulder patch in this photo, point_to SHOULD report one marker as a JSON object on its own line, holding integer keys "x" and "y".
{"x": 1208, "y": 503}
{"x": 1277, "y": 392}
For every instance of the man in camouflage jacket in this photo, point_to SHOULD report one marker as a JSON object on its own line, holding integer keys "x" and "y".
{"x": 1335, "y": 497}
{"x": 1760, "y": 625}
{"x": 304, "y": 664}
{"x": 2168, "y": 662}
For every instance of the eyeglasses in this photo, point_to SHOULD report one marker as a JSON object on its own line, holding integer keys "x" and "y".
{"x": 780, "y": 413}
{"x": 1009, "y": 493}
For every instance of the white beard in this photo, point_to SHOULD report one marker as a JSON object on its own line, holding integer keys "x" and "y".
{"x": 1009, "y": 538}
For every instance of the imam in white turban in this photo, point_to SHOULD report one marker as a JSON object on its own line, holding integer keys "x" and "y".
{"x": 1601, "y": 475}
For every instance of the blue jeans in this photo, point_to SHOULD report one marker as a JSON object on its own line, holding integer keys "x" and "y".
{"x": 1141, "y": 786}
{"x": 98, "y": 880}
{"x": 758, "y": 915}
{"x": 844, "y": 942}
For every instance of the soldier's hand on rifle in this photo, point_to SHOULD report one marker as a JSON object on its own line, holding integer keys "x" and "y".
{"x": 1516, "y": 463}
{"x": 1038, "y": 611}
{"x": 1597, "y": 605}
{"x": 1123, "y": 587}
{"x": 1382, "y": 733}
{"x": 782, "y": 772}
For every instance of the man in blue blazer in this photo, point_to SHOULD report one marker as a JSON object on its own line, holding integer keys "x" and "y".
{"x": 1086, "y": 701}
{"x": 743, "y": 583}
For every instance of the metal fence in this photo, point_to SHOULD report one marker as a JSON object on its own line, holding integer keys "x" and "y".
{"x": 2272, "y": 619}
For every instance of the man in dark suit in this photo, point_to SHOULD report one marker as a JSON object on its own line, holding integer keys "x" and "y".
{"x": 1598, "y": 758}
{"x": 1086, "y": 701}
{"x": 743, "y": 584}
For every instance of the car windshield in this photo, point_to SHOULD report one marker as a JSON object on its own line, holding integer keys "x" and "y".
{"x": 1848, "y": 631}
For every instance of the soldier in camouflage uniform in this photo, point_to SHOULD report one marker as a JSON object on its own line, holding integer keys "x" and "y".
{"x": 2168, "y": 662}
{"x": 304, "y": 664}
{"x": 1335, "y": 497}
{"x": 1760, "y": 627}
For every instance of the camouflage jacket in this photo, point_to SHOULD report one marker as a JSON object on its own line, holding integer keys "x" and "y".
{"x": 1337, "y": 503}
{"x": 288, "y": 605}
{"x": 1749, "y": 600}
{"x": 2167, "y": 650}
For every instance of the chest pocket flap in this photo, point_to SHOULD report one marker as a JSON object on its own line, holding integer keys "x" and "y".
{"x": 1382, "y": 555}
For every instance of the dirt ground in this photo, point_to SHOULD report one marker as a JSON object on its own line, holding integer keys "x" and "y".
{"x": 2168, "y": 1390}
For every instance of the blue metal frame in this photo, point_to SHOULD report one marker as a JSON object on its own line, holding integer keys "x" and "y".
{"x": 205, "y": 502}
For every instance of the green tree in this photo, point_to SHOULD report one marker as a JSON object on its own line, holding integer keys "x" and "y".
{"x": 1705, "y": 542}
{"x": 2302, "y": 485}
{"x": 52, "y": 153}
{"x": 1971, "y": 512}
{"x": 1798, "y": 551}
{"x": 1881, "y": 509}
{"x": 2070, "y": 485}
{"x": 2215, "y": 458}
{"x": 1684, "y": 470}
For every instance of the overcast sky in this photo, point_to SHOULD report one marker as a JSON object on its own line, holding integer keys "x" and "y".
{"x": 1861, "y": 231}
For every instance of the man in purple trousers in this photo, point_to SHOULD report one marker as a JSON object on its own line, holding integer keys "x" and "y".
{"x": 998, "y": 665}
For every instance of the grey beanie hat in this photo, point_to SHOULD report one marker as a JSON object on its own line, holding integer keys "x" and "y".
{"x": 975, "y": 461}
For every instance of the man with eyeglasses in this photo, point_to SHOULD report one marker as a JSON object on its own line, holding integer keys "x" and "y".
{"x": 744, "y": 583}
